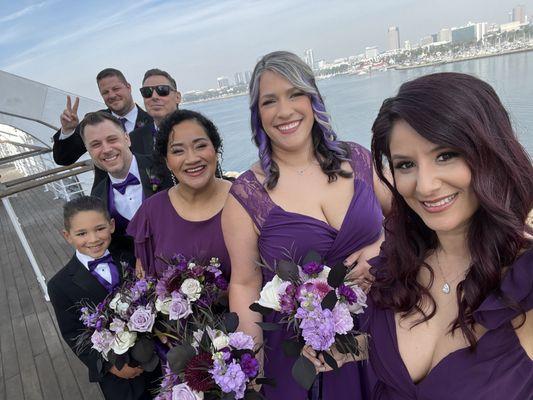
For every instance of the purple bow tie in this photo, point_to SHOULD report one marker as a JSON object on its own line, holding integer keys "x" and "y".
{"x": 108, "y": 259}
{"x": 129, "y": 181}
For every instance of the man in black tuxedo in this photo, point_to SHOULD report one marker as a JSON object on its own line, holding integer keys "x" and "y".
{"x": 89, "y": 276}
{"x": 129, "y": 178}
{"x": 116, "y": 92}
{"x": 161, "y": 98}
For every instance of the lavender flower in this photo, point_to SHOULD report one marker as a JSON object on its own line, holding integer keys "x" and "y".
{"x": 102, "y": 341}
{"x": 313, "y": 268}
{"x": 318, "y": 327}
{"x": 221, "y": 282}
{"x": 230, "y": 378}
{"x": 142, "y": 319}
{"x": 180, "y": 307}
{"x": 184, "y": 392}
{"x": 241, "y": 341}
{"x": 249, "y": 365}
{"x": 342, "y": 319}
{"x": 117, "y": 325}
{"x": 347, "y": 293}
{"x": 140, "y": 288}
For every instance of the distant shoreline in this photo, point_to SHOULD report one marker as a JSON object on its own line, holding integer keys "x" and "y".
{"x": 398, "y": 68}
{"x": 403, "y": 68}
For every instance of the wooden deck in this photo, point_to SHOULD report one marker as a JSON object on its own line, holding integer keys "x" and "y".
{"x": 35, "y": 363}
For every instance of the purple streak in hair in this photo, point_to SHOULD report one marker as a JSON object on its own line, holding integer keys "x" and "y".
{"x": 261, "y": 141}
{"x": 322, "y": 118}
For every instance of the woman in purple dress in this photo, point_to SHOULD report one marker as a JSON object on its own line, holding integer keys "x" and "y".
{"x": 451, "y": 309}
{"x": 184, "y": 219}
{"x": 308, "y": 191}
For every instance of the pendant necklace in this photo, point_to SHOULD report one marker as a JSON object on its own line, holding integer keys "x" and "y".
{"x": 301, "y": 171}
{"x": 446, "y": 287}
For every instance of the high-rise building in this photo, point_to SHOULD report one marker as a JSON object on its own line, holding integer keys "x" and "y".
{"x": 464, "y": 34}
{"x": 371, "y": 52}
{"x": 247, "y": 77}
{"x": 394, "y": 38}
{"x": 445, "y": 35}
{"x": 519, "y": 13}
{"x": 309, "y": 58}
{"x": 239, "y": 78}
{"x": 481, "y": 30}
{"x": 407, "y": 45}
{"x": 222, "y": 82}
{"x": 426, "y": 40}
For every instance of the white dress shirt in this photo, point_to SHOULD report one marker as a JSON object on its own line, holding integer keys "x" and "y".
{"x": 101, "y": 269}
{"x": 131, "y": 118}
{"x": 128, "y": 203}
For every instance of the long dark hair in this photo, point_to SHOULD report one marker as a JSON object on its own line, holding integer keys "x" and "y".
{"x": 465, "y": 114}
{"x": 177, "y": 117}
{"x": 329, "y": 152}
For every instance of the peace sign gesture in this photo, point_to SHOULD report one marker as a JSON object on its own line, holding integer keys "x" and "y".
{"x": 69, "y": 117}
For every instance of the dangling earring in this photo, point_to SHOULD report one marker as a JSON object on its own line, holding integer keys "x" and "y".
{"x": 174, "y": 180}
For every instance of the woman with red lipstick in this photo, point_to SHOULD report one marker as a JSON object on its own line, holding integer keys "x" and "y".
{"x": 184, "y": 219}
{"x": 308, "y": 191}
{"x": 451, "y": 309}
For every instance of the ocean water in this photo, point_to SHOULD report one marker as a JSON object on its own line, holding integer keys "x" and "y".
{"x": 354, "y": 101}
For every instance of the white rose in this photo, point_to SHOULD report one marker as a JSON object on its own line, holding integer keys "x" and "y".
{"x": 191, "y": 288}
{"x": 163, "y": 306}
{"x": 118, "y": 305}
{"x": 219, "y": 339}
{"x": 183, "y": 392}
{"x": 123, "y": 341}
{"x": 269, "y": 296}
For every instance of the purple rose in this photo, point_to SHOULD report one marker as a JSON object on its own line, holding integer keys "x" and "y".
{"x": 102, "y": 341}
{"x": 180, "y": 307}
{"x": 313, "y": 268}
{"x": 142, "y": 319}
{"x": 241, "y": 341}
{"x": 249, "y": 365}
{"x": 184, "y": 392}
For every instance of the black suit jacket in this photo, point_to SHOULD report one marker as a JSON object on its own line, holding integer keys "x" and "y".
{"x": 72, "y": 284}
{"x": 142, "y": 139}
{"x": 120, "y": 241}
{"x": 69, "y": 150}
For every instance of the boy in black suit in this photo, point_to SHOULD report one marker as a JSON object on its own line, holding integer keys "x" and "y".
{"x": 90, "y": 275}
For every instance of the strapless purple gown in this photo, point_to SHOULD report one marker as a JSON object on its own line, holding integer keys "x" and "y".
{"x": 159, "y": 231}
{"x": 285, "y": 235}
{"x": 499, "y": 369}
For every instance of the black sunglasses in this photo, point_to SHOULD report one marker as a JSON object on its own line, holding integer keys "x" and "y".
{"x": 161, "y": 90}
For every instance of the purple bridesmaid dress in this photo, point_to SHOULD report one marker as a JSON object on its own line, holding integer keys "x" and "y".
{"x": 159, "y": 231}
{"x": 499, "y": 369}
{"x": 285, "y": 235}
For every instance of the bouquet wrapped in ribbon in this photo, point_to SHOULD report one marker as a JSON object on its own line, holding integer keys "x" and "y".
{"x": 210, "y": 360}
{"x": 120, "y": 328}
{"x": 318, "y": 305}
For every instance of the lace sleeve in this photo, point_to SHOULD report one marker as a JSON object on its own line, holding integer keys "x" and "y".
{"x": 253, "y": 197}
{"x": 361, "y": 162}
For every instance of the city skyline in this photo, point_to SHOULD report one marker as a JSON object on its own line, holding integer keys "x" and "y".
{"x": 199, "y": 41}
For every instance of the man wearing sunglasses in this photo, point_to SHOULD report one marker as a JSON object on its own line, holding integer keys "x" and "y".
{"x": 116, "y": 92}
{"x": 161, "y": 98}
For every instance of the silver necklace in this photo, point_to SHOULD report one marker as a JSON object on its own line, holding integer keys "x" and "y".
{"x": 301, "y": 171}
{"x": 446, "y": 287}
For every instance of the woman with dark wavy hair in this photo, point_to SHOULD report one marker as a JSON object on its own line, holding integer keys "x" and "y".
{"x": 185, "y": 219}
{"x": 308, "y": 191}
{"x": 450, "y": 315}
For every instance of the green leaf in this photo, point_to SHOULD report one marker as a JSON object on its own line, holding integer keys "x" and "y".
{"x": 152, "y": 364}
{"x": 266, "y": 381}
{"x": 292, "y": 347}
{"x": 179, "y": 356}
{"x": 303, "y": 372}
{"x": 253, "y": 395}
{"x": 312, "y": 256}
{"x": 143, "y": 350}
{"x": 287, "y": 271}
{"x": 260, "y": 309}
{"x": 328, "y": 358}
{"x": 231, "y": 322}
{"x": 329, "y": 300}
{"x": 336, "y": 275}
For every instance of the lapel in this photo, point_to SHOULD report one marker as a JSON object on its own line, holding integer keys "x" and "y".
{"x": 101, "y": 190}
{"x": 82, "y": 278}
{"x": 145, "y": 165}
{"x": 142, "y": 118}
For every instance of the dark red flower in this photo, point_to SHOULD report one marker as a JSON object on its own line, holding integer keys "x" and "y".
{"x": 197, "y": 374}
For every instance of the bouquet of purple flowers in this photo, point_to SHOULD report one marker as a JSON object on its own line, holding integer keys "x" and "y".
{"x": 212, "y": 361}
{"x": 187, "y": 286}
{"x": 120, "y": 328}
{"x": 318, "y": 305}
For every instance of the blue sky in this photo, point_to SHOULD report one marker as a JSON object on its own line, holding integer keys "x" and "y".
{"x": 65, "y": 43}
